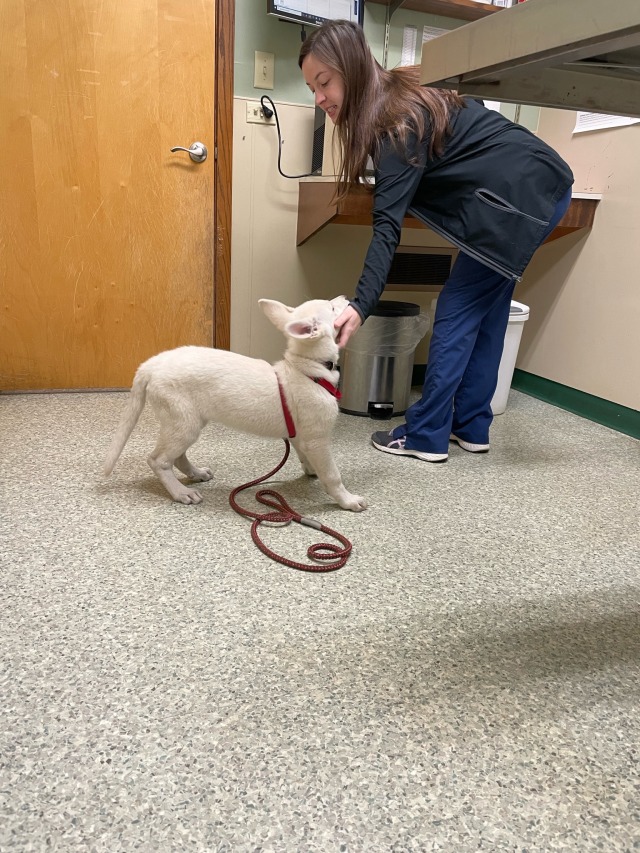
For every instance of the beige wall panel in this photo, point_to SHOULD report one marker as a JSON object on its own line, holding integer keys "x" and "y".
{"x": 584, "y": 290}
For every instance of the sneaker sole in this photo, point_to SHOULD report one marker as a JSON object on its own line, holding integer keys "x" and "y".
{"x": 417, "y": 454}
{"x": 470, "y": 448}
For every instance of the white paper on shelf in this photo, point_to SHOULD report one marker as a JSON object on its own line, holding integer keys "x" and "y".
{"x": 409, "y": 39}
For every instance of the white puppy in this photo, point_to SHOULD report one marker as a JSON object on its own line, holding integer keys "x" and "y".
{"x": 190, "y": 386}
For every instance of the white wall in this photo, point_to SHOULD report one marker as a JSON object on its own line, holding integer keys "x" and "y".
{"x": 584, "y": 290}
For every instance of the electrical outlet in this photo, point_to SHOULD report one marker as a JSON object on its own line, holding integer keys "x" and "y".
{"x": 255, "y": 114}
{"x": 263, "y": 70}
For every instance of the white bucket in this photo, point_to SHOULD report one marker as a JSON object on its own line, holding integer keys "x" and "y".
{"x": 518, "y": 314}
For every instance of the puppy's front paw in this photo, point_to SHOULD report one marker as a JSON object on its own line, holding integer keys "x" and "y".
{"x": 188, "y": 497}
{"x": 355, "y": 503}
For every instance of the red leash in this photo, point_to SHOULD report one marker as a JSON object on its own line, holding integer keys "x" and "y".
{"x": 283, "y": 514}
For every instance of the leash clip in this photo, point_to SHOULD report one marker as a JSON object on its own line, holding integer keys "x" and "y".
{"x": 310, "y": 522}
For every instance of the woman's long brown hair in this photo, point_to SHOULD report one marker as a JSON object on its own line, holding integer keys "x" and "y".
{"x": 376, "y": 101}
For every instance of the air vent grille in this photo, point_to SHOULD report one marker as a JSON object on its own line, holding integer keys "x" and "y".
{"x": 317, "y": 151}
{"x": 413, "y": 268}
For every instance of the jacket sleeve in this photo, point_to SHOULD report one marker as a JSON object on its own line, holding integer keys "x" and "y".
{"x": 396, "y": 181}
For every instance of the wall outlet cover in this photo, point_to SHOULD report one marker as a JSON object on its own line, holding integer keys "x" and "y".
{"x": 255, "y": 114}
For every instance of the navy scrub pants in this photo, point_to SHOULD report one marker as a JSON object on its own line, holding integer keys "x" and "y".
{"x": 472, "y": 314}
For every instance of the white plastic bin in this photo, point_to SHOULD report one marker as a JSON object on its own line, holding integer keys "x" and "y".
{"x": 518, "y": 314}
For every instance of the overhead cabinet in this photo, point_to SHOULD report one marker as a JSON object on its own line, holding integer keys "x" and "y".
{"x": 570, "y": 54}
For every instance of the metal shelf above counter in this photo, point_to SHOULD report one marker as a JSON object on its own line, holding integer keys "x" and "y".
{"x": 574, "y": 54}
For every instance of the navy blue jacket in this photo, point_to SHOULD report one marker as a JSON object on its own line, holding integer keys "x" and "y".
{"x": 491, "y": 193}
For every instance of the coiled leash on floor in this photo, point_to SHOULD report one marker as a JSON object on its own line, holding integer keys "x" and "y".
{"x": 283, "y": 514}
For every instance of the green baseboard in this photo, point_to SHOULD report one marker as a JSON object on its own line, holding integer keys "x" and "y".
{"x": 579, "y": 403}
{"x": 586, "y": 406}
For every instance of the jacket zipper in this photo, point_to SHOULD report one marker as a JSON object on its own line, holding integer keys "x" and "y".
{"x": 465, "y": 248}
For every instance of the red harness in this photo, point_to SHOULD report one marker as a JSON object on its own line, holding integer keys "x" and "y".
{"x": 291, "y": 427}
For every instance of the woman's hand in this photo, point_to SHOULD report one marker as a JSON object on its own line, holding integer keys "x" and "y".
{"x": 347, "y": 324}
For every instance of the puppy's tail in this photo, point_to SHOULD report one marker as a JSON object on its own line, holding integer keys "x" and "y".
{"x": 135, "y": 405}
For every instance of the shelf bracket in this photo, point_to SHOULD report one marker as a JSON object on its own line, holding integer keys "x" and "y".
{"x": 390, "y": 9}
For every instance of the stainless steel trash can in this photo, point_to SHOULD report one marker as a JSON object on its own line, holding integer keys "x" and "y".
{"x": 377, "y": 363}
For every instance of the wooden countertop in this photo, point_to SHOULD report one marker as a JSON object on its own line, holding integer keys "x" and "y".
{"x": 316, "y": 209}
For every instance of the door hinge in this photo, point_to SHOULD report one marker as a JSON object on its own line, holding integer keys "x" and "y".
{"x": 215, "y": 152}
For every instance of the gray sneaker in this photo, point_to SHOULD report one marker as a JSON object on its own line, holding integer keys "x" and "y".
{"x": 388, "y": 444}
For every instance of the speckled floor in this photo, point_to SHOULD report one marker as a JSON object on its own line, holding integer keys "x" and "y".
{"x": 468, "y": 682}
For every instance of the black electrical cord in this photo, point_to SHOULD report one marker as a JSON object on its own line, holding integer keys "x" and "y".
{"x": 271, "y": 111}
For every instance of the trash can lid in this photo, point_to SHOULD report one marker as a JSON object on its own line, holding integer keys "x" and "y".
{"x": 389, "y": 308}
{"x": 518, "y": 312}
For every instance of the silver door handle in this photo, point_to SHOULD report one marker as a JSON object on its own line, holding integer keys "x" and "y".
{"x": 198, "y": 152}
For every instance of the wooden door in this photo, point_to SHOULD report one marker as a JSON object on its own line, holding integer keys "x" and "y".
{"x": 109, "y": 243}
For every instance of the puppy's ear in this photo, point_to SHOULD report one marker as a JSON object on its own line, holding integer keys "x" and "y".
{"x": 302, "y": 329}
{"x": 278, "y": 313}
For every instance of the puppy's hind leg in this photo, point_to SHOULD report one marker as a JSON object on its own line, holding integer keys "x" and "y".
{"x": 173, "y": 443}
{"x": 198, "y": 475}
